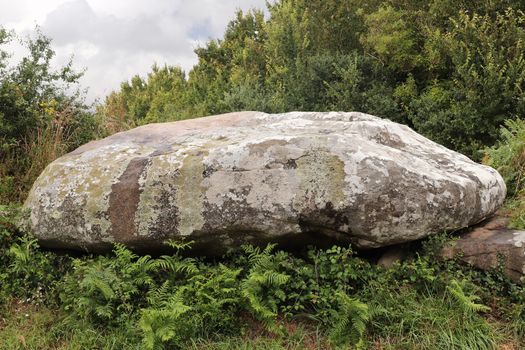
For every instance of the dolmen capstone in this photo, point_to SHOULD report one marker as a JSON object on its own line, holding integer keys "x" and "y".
{"x": 249, "y": 177}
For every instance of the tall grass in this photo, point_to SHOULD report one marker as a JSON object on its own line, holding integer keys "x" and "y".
{"x": 20, "y": 164}
{"x": 112, "y": 116}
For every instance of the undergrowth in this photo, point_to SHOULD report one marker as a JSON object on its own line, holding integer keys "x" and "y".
{"x": 250, "y": 298}
{"x": 508, "y": 157}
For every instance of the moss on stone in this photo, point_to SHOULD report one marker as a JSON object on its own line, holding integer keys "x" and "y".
{"x": 190, "y": 197}
{"x": 321, "y": 180}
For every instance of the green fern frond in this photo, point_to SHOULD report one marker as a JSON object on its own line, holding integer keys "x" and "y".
{"x": 350, "y": 321}
{"x": 262, "y": 286}
{"x": 176, "y": 264}
{"x": 156, "y": 296}
{"x": 160, "y": 324}
{"x": 122, "y": 253}
{"x": 179, "y": 246}
{"x": 21, "y": 252}
{"x": 468, "y": 303}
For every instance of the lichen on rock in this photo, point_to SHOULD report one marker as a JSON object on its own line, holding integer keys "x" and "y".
{"x": 249, "y": 177}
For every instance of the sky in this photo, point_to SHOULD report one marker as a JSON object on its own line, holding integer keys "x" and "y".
{"x": 116, "y": 39}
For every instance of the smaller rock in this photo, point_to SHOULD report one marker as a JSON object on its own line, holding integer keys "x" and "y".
{"x": 394, "y": 254}
{"x": 489, "y": 244}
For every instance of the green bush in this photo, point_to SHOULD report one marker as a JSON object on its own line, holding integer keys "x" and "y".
{"x": 106, "y": 290}
{"x": 26, "y": 271}
{"x": 508, "y": 157}
{"x": 206, "y": 304}
{"x": 454, "y": 71}
{"x": 484, "y": 87}
{"x": 42, "y": 113}
{"x": 173, "y": 301}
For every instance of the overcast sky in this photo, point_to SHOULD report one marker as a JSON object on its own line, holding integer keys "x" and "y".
{"x": 115, "y": 39}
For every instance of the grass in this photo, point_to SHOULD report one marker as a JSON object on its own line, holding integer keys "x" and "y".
{"x": 26, "y": 326}
{"x": 251, "y": 299}
{"x": 412, "y": 320}
{"x": 427, "y": 326}
{"x": 21, "y": 165}
{"x": 403, "y": 317}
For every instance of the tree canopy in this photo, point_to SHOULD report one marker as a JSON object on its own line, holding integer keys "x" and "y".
{"x": 453, "y": 70}
{"x": 42, "y": 112}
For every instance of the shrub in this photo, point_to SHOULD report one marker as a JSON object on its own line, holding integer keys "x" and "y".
{"x": 263, "y": 286}
{"x": 350, "y": 321}
{"x": 508, "y": 157}
{"x": 42, "y": 114}
{"x": 106, "y": 290}
{"x": 26, "y": 271}
{"x": 172, "y": 301}
{"x": 206, "y": 304}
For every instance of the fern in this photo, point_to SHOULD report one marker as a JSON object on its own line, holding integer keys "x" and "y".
{"x": 107, "y": 290}
{"x": 156, "y": 296}
{"x": 130, "y": 265}
{"x": 161, "y": 322}
{"x": 350, "y": 321}
{"x": 467, "y": 303}
{"x": 508, "y": 156}
{"x": 176, "y": 263}
{"x": 21, "y": 253}
{"x": 25, "y": 271}
{"x": 262, "y": 287}
{"x": 179, "y": 246}
{"x": 201, "y": 306}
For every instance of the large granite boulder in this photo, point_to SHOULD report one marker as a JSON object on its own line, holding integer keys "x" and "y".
{"x": 251, "y": 177}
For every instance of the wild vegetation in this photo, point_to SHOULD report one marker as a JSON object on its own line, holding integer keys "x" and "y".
{"x": 508, "y": 156}
{"x": 42, "y": 114}
{"x": 251, "y": 297}
{"x": 452, "y": 70}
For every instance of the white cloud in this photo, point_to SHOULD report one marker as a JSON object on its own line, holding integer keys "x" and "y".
{"x": 23, "y": 15}
{"x": 114, "y": 40}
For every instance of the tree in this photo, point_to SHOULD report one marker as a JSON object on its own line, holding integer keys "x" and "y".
{"x": 465, "y": 109}
{"x": 159, "y": 97}
{"x": 451, "y": 69}
{"x": 31, "y": 92}
{"x": 42, "y": 113}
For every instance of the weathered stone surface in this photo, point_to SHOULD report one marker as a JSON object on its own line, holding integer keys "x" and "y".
{"x": 394, "y": 254}
{"x": 490, "y": 244}
{"x": 255, "y": 177}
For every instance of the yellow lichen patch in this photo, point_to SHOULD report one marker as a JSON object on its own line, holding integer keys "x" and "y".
{"x": 190, "y": 196}
{"x": 175, "y": 177}
{"x": 321, "y": 180}
{"x": 86, "y": 180}
{"x": 103, "y": 175}
{"x": 159, "y": 177}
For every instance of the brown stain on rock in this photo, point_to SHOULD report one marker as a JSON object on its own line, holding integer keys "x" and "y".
{"x": 124, "y": 200}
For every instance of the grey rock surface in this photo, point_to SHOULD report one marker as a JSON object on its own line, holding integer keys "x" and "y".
{"x": 251, "y": 177}
{"x": 489, "y": 245}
